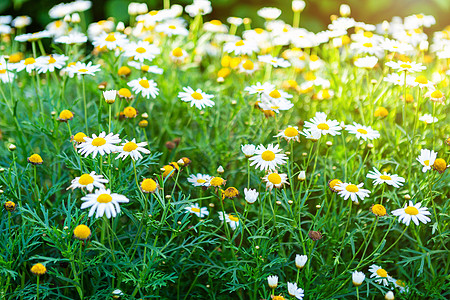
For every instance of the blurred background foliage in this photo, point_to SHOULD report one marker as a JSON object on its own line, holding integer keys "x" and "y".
{"x": 315, "y": 17}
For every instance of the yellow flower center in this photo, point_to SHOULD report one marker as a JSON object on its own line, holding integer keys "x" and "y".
{"x": 195, "y": 209}
{"x": 216, "y": 22}
{"x": 290, "y": 132}
{"x": 323, "y": 126}
{"x": 216, "y": 181}
{"x": 440, "y": 165}
{"x": 314, "y": 57}
{"x": 35, "y": 159}
{"x": 421, "y": 79}
{"x": 85, "y": 179}
{"x": 382, "y": 273}
{"x": 110, "y": 38}
{"x": 362, "y": 131}
{"x": 148, "y": 185}
{"x": 411, "y": 210}
{"x": 259, "y": 30}
{"x": 153, "y": 13}
{"x": 124, "y": 70}
{"x": 426, "y": 162}
{"x": 79, "y": 137}
{"x": 274, "y": 178}
{"x": 197, "y": 96}
{"x": 333, "y": 183}
{"x": 379, "y": 210}
{"x": 38, "y": 269}
{"x": 172, "y": 27}
{"x": 130, "y": 112}
{"x": 141, "y": 50}
{"x": 385, "y": 177}
{"x": 104, "y": 198}
{"x": 275, "y": 94}
{"x": 248, "y": 65}
{"x": 368, "y": 45}
{"x": 368, "y": 34}
{"x": 405, "y": 66}
{"x": 177, "y": 52}
{"x": 201, "y": 180}
{"x": 145, "y": 68}
{"x": 233, "y": 218}
{"x": 29, "y": 61}
{"x": 268, "y": 155}
{"x": 66, "y": 115}
{"x": 239, "y": 43}
{"x": 82, "y": 70}
{"x": 352, "y": 188}
{"x": 3, "y": 71}
{"x": 98, "y": 142}
{"x": 82, "y": 232}
{"x": 144, "y": 83}
{"x": 124, "y": 92}
{"x": 436, "y": 94}
{"x": 51, "y": 60}
{"x": 130, "y": 146}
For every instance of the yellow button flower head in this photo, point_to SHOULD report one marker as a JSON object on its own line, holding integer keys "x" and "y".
{"x": 378, "y": 210}
{"x": 35, "y": 159}
{"x": 38, "y": 269}
{"x": 10, "y": 206}
{"x": 381, "y": 112}
{"x": 170, "y": 169}
{"x": 79, "y": 137}
{"x": 124, "y": 71}
{"x": 231, "y": 192}
{"x": 130, "y": 112}
{"x": 143, "y": 123}
{"x": 148, "y": 185}
{"x": 440, "y": 165}
{"x": 217, "y": 181}
{"x": 82, "y": 232}
{"x": 65, "y": 115}
{"x": 333, "y": 183}
{"x": 125, "y": 94}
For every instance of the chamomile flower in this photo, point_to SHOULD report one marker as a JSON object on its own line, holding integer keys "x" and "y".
{"x": 248, "y": 150}
{"x": 132, "y": 149}
{"x": 380, "y": 275}
{"x": 88, "y": 181}
{"x": 199, "y": 179}
{"x": 103, "y": 202}
{"x": 197, "y": 210}
{"x": 110, "y": 40}
{"x": 171, "y": 28}
{"x": 141, "y": 50}
{"x": 178, "y": 55}
{"x": 268, "y": 158}
{"x": 269, "y": 13}
{"x": 426, "y": 159}
{"x": 198, "y": 98}
{"x": 148, "y": 88}
{"x": 83, "y": 69}
{"x": 400, "y": 285}
{"x": 367, "y": 62}
{"x": 389, "y": 179}
{"x": 313, "y": 135}
{"x": 295, "y": 291}
{"x": 435, "y": 95}
{"x": 364, "y": 132}
{"x": 358, "y": 278}
{"x": 247, "y": 66}
{"x": 103, "y": 144}
{"x": 412, "y": 212}
{"x": 352, "y": 191}
{"x": 320, "y": 124}
{"x": 241, "y": 47}
{"x": 428, "y": 119}
{"x": 406, "y": 66}
{"x": 300, "y": 261}
{"x": 259, "y": 88}
{"x": 231, "y": 219}
{"x": 276, "y": 62}
{"x": 290, "y": 133}
{"x": 72, "y": 38}
{"x": 251, "y": 195}
{"x": 46, "y": 64}
{"x": 29, "y": 64}
{"x": 272, "y": 281}
{"x": 273, "y": 179}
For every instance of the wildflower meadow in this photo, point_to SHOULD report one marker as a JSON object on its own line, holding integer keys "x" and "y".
{"x": 177, "y": 156}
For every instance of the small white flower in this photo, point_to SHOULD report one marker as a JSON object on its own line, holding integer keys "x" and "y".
{"x": 248, "y": 150}
{"x": 295, "y": 291}
{"x": 88, "y": 181}
{"x": 300, "y": 260}
{"x": 389, "y": 179}
{"x": 426, "y": 159}
{"x": 250, "y": 195}
{"x": 103, "y": 144}
{"x": 412, "y": 212}
{"x": 364, "y": 132}
{"x": 232, "y": 220}
{"x": 358, "y": 278}
{"x": 199, "y": 179}
{"x": 103, "y": 202}
{"x": 429, "y": 119}
{"x": 197, "y": 98}
{"x": 268, "y": 158}
{"x": 148, "y": 88}
{"x": 352, "y": 191}
{"x": 380, "y": 274}
{"x": 132, "y": 149}
{"x": 197, "y": 210}
{"x": 272, "y": 281}
{"x": 320, "y": 124}
{"x": 110, "y": 96}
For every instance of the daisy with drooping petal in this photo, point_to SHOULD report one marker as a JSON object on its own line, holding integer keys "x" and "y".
{"x": 232, "y": 220}
{"x": 320, "y": 124}
{"x": 273, "y": 179}
{"x": 268, "y": 158}
{"x": 389, "y": 179}
{"x": 104, "y": 202}
{"x": 103, "y": 144}
{"x": 290, "y": 133}
{"x": 313, "y": 135}
{"x": 352, "y": 191}
{"x": 380, "y": 275}
{"x": 197, "y": 210}
{"x": 132, "y": 149}
{"x": 172, "y": 27}
{"x": 178, "y": 55}
{"x": 364, "y": 132}
{"x": 426, "y": 159}
{"x": 198, "y": 98}
{"x": 148, "y": 88}
{"x": 88, "y": 181}
{"x": 412, "y": 212}
{"x": 295, "y": 291}
{"x": 199, "y": 179}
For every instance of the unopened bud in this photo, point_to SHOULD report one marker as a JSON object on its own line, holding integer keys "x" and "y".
{"x": 220, "y": 170}
{"x": 302, "y": 176}
{"x": 344, "y": 10}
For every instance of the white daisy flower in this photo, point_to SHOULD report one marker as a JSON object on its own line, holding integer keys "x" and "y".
{"x": 389, "y": 179}
{"x": 29, "y": 64}
{"x": 110, "y": 40}
{"x": 367, "y": 62}
{"x": 380, "y": 274}
{"x": 358, "y": 278}
{"x": 272, "y": 281}
{"x": 104, "y": 202}
{"x": 202, "y": 7}
{"x": 199, "y": 179}
{"x": 148, "y": 88}
{"x": 426, "y": 159}
{"x": 400, "y": 285}
{"x": 247, "y": 66}
{"x": 320, "y": 124}
{"x": 197, "y": 98}
{"x": 32, "y": 37}
{"x": 273, "y": 179}
{"x": 295, "y": 291}
{"x": 146, "y": 68}
{"x": 88, "y": 181}
{"x": 103, "y": 144}
{"x": 83, "y": 69}
{"x": 412, "y": 212}
{"x": 274, "y": 61}
{"x": 406, "y": 66}
{"x": 171, "y": 28}
{"x": 269, "y": 13}
{"x": 352, "y": 191}
{"x": 259, "y": 88}
{"x": 290, "y": 133}
{"x": 6, "y": 74}
{"x": 251, "y": 195}
{"x": 429, "y": 119}
{"x": 364, "y": 132}
{"x": 248, "y": 150}
{"x": 231, "y": 219}
{"x": 140, "y": 51}
{"x": 46, "y": 64}
{"x": 197, "y": 210}
{"x": 313, "y": 135}
{"x": 72, "y": 38}
{"x": 241, "y": 47}
{"x": 132, "y": 149}
{"x": 268, "y": 158}
{"x": 300, "y": 260}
